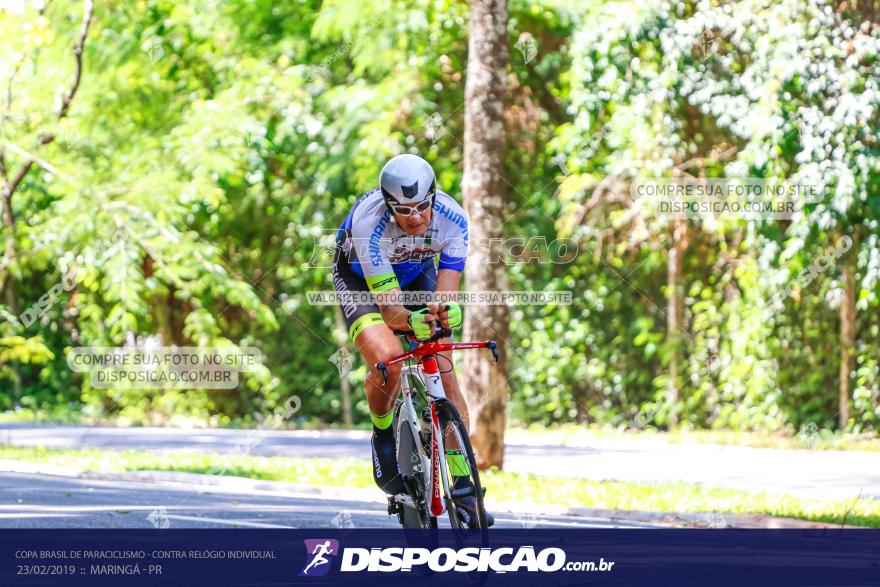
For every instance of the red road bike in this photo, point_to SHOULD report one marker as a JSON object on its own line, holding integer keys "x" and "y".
{"x": 424, "y": 421}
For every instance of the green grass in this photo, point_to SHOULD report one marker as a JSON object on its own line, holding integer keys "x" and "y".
{"x": 502, "y": 486}
{"x": 60, "y": 415}
{"x": 820, "y": 439}
{"x": 573, "y": 434}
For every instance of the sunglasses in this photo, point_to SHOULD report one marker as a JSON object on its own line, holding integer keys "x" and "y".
{"x": 419, "y": 208}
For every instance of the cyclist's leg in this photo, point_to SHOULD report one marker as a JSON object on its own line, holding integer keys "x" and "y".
{"x": 375, "y": 341}
{"x": 366, "y": 328}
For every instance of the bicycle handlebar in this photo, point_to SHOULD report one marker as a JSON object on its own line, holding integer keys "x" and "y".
{"x": 441, "y": 333}
{"x": 430, "y": 347}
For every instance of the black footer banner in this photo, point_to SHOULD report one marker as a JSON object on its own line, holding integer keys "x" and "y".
{"x": 501, "y": 557}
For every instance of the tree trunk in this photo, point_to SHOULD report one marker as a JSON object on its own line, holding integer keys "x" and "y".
{"x": 675, "y": 311}
{"x": 847, "y": 336}
{"x": 483, "y": 191}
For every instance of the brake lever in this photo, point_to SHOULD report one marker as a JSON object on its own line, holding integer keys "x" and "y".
{"x": 384, "y": 369}
{"x": 493, "y": 346}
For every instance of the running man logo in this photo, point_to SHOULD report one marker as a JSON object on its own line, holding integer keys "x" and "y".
{"x": 319, "y": 554}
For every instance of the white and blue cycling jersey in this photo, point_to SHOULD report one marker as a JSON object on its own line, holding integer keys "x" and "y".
{"x": 386, "y": 256}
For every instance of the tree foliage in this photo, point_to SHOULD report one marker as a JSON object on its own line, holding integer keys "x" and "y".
{"x": 213, "y": 147}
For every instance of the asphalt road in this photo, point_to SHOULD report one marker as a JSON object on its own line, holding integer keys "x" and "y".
{"x": 46, "y": 501}
{"x": 804, "y": 473}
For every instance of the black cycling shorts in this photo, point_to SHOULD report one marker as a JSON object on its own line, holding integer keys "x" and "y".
{"x": 358, "y": 315}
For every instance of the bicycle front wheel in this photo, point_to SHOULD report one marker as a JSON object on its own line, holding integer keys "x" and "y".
{"x": 409, "y": 464}
{"x": 453, "y": 427}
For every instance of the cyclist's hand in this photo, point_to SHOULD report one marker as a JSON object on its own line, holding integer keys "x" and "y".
{"x": 449, "y": 315}
{"x": 422, "y": 323}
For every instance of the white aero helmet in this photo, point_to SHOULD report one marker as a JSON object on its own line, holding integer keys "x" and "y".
{"x": 407, "y": 179}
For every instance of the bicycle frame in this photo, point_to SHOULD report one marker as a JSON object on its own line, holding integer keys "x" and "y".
{"x": 428, "y": 373}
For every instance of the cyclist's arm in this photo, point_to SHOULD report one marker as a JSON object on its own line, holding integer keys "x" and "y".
{"x": 395, "y": 316}
{"x": 448, "y": 282}
{"x": 453, "y": 256}
{"x": 453, "y": 252}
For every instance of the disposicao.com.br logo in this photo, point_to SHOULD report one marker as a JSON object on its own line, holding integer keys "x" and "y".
{"x": 464, "y": 560}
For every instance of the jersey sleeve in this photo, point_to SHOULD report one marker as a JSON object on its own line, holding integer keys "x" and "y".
{"x": 453, "y": 251}
{"x": 372, "y": 253}
{"x": 454, "y": 256}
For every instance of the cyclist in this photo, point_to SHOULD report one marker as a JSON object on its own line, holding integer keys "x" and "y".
{"x": 388, "y": 243}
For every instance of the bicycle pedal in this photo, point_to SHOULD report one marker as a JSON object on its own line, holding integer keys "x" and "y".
{"x": 393, "y": 506}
